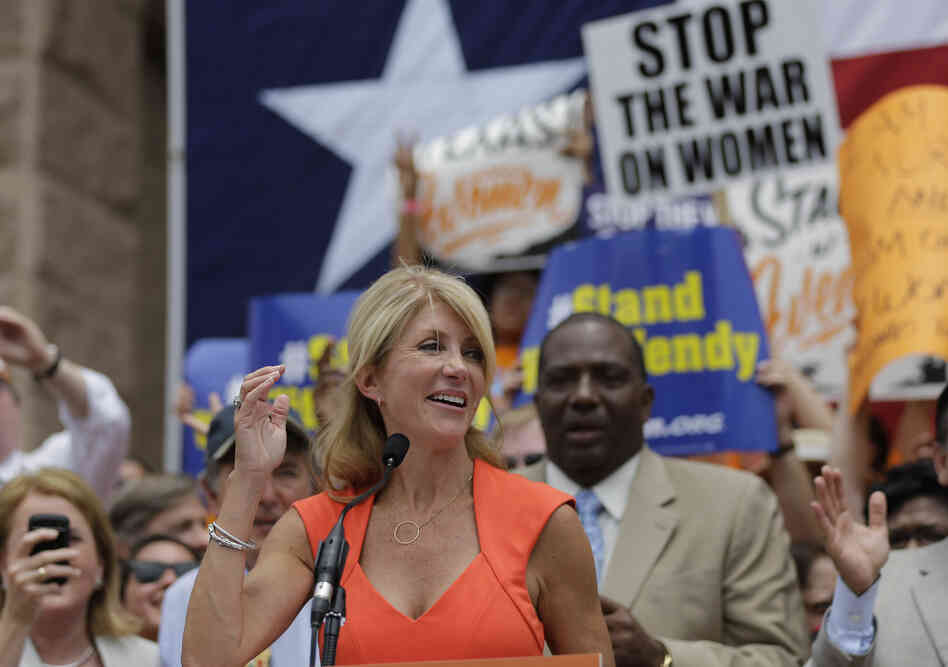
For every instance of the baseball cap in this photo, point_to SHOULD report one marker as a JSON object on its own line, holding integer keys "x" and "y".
{"x": 220, "y": 434}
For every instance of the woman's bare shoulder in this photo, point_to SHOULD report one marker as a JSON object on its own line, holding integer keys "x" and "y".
{"x": 289, "y": 537}
{"x": 562, "y": 557}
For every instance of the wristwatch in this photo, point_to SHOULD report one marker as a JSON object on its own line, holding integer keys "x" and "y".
{"x": 50, "y": 370}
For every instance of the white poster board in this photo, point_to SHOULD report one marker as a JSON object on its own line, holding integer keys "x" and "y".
{"x": 694, "y": 95}
{"x": 495, "y": 191}
{"x": 797, "y": 251}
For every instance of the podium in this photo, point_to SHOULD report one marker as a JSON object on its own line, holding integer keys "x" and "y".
{"x": 577, "y": 660}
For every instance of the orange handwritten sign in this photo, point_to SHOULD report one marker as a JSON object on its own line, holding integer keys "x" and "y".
{"x": 893, "y": 170}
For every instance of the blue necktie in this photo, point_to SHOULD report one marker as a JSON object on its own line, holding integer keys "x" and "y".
{"x": 588, "y": 507}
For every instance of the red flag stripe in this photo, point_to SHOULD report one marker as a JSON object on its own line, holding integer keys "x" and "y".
{"x": 863, "y": 80}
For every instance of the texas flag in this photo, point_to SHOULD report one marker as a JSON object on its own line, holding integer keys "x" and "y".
{"x": 878, "y": 46}
{"x": 293, "y": 106}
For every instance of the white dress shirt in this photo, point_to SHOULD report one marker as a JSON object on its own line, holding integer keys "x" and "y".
{"x": 849, "y": 623}
{"x": 93, "y": 447}
{"x": 613, "y": 493}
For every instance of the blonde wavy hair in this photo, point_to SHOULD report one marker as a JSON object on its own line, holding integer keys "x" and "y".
{"x": 349, "y": 447}
{"x": 105, "y": 614}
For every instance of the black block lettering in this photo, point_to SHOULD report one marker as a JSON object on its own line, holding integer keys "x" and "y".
{"x": 794, "y": 81}
{"x": 813, "y": 136}
{"x": 682, "y": 103}
{"x": 788, "y": 141}
{"x": 731, "y": 93}
{"x": 730, "y": 153}
{"x": 717, "y": 52}
{"x": 658, "y": 62}
{"x": 762, "y": 148}
{"x": 629, "y": 168}
{"x": 695, "y": 155}
{"x": 625, "y": 101}
{"x": 764, "y": 87}
{"x": 655, "y": 113}
{"x": 684, "y": 52}
{"x": 754, "y": 16}
{"x": 656, "y": 167}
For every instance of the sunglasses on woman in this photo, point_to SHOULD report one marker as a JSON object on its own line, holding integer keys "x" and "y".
{"x": 150, "y": 571}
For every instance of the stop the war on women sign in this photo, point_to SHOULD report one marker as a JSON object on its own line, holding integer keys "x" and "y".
{"x": 688, "y": 299}
{"x": 695, "y": 94}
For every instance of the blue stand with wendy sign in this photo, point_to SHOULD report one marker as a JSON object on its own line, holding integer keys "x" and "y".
{"x": 688, "y": 299}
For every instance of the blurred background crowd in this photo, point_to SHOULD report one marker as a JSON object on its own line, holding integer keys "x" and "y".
{"x": 93, "y": 393}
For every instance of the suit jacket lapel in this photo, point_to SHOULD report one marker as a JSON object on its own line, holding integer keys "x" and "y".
{"x": 928, "y": 591}
{"x": 647, "y": 525}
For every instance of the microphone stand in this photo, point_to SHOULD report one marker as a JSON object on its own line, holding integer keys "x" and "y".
{"x": 329, "y": 598}
{"x": 333, "y": 624}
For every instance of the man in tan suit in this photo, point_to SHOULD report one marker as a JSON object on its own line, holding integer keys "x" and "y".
{"x": 911, "y": 611}
{"x": 694, "y": 563}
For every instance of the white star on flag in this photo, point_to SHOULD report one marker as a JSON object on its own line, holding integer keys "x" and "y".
{"x": 425, "y": 88}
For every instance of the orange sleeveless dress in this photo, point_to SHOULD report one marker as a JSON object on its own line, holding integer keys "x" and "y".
{"x": 485, "y": 613}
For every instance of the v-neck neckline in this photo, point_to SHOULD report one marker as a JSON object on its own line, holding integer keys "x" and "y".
{"x": 447, "y": 592}
{"x": 370, "y": 504}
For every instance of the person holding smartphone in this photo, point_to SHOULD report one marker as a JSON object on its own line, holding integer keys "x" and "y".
{"x": 60, "y": 605}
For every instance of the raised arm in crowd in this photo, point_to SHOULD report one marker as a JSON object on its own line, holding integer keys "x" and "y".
{"x": 882, "y": 616}
{"x": 96, "y": 420}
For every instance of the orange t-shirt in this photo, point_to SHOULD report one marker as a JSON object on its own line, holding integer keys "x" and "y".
{"x": 485, "y": 613}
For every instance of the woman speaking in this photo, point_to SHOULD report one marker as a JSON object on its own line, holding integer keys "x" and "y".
{"x": 454, "y": 559}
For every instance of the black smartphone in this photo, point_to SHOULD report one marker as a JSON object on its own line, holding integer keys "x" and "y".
{"x": 60, "y": 524}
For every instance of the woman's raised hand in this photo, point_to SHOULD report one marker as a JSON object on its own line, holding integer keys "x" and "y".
{"x": 27, "y": 577}
{"x": 260, "y": 426}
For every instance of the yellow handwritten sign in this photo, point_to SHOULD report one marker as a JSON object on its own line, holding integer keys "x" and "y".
{"x": 893, "y": 169}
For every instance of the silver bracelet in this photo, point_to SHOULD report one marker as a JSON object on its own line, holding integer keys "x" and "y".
{"x": 224, "y": 542}
{"x": 220, "y": 536}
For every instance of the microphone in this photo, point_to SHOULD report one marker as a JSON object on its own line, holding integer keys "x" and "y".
{"x": 393, "y": 453}
{"x": 332, "y": 553}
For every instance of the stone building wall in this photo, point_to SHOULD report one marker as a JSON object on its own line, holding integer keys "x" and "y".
{"x": 82, "y": 196}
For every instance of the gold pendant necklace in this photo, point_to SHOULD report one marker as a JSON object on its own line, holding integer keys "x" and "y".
{"x": 408, "y": 523}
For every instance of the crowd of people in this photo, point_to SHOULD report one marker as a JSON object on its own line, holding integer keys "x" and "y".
{"x": 561, "y": 530}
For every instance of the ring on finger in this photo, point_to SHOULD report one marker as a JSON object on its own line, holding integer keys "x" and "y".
{"x": 237, "y": 403}
{"x": 41, "y": 571}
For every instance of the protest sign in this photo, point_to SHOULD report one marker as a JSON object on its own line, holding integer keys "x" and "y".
{"x": 689, "y": 301}
{"x": 797, "y": 249}
{"x": 212, "y": 365}
{"x": 500, "y": 189}
{"x": 294, "y": 330}
{"x": 604, "y": 214}
{"x": 894, "y": 199}
{"x": 693, "y": 95}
